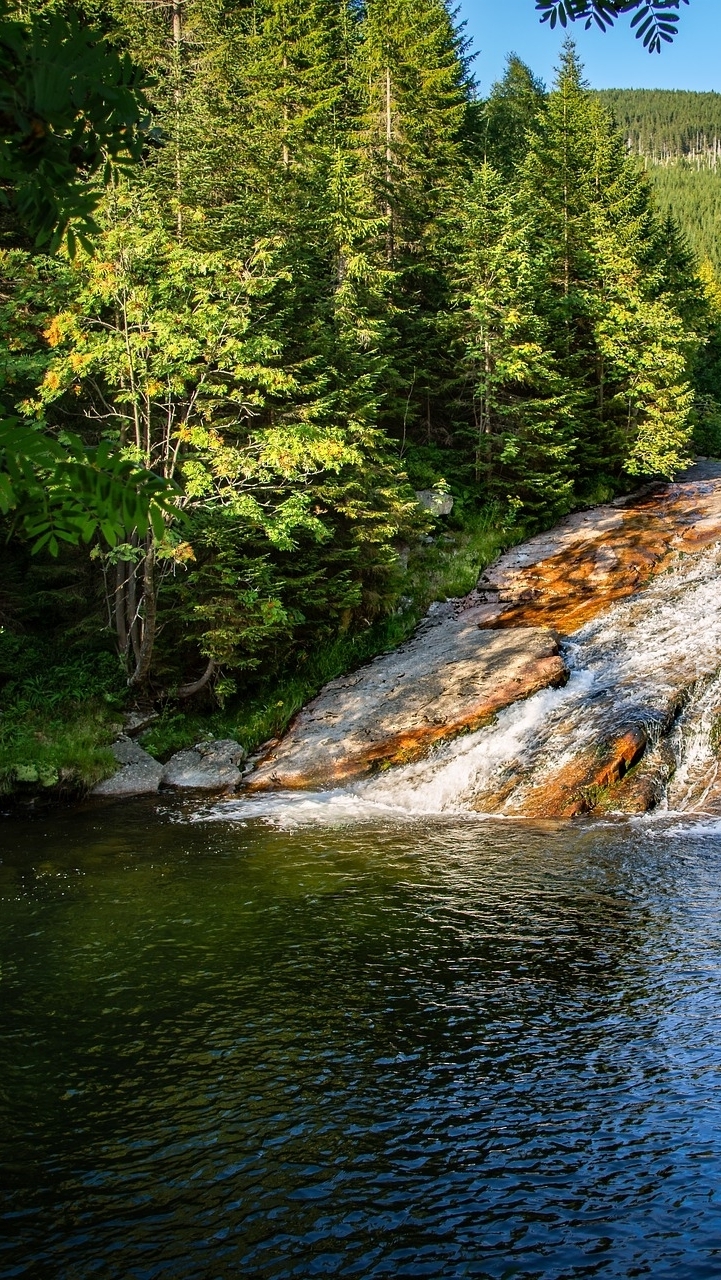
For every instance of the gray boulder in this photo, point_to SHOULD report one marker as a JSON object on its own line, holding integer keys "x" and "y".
{"x": 210, "y": 766}
{"x": 139, "y": 774}
{"x": 435, "y": 501}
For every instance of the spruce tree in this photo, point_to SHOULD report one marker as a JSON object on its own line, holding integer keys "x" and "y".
{"x": 522, "y": 406}
{"x": 509, "y": 115}
{"x": 414, "y": 91}
{"x": 614, "y": 336}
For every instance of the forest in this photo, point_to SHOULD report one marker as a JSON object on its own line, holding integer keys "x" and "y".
{"x": 337, "y": 278}
{"x": 677, "y": 133}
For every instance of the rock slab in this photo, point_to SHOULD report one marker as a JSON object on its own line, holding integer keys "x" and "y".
{"x": 449, "y": 679}
{"x": 435, "y": 501}
{"x": 138, "y": 775}
{"x": 210, "y": 766}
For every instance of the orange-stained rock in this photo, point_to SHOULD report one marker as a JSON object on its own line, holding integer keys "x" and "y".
{"x": 581, "y": 786}
{"x": 566, "y": 577}
{"x": 471, "y": 658}
{"x": 451, "y": 678}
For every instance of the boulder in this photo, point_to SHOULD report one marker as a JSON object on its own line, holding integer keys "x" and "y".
{"x": 450, "y": 678}
{"x": 210, "y": 766}
{"x": 139, "y": 774}
{"x": 435, "y": 501}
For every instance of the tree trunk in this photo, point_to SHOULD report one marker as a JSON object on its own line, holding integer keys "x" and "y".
{"x": 121, "y": 627}
{"x": 389, "y": 159}
{"x": 150, "y": 614}
{"x": 188, "y": 690}
{"x": 177, "y": 54}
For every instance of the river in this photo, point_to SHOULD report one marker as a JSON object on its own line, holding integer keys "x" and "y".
{"x": 312, "y": 1043}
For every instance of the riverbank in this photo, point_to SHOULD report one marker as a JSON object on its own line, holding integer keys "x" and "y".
{"x": 59, "y": 715}
{"x": 492, "y": 644}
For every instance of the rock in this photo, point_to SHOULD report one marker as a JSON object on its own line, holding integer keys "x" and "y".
{"x": 567, "y": 576}
{"x": 139, "y": 774}
{"x": 435, "y": 501}
{"x": 449, "y": 679}
{"x": 210, "y": 766}
{"x": 138, "y": 720}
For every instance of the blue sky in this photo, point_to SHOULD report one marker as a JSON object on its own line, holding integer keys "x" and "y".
{"x": 614, "y": 60}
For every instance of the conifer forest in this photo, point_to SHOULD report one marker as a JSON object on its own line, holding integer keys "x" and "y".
{"x": 337, "y": 277}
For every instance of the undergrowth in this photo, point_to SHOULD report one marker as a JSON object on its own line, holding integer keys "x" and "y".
{"x": 58, "y": 715}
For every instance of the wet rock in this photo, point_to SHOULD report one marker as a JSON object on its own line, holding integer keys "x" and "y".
{"x": 567, "y": 576}
{"x": 647, "y": 785}
{"x": 451, "y": 678}
{"x": 621, "y": 755}
{"x": 210, "y": 766}
{"x": 594, "y": 755}
{"x": 139, "y": 774}
{"x": 435, "y": 501}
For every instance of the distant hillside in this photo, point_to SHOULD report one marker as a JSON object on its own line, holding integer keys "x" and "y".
{"x": 678, "y": 135}
{"x": 668, "y": 125}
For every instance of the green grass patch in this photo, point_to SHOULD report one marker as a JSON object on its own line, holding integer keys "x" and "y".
{"x": 59, "y": 714}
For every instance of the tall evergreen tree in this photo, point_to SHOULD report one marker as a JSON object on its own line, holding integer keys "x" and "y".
{"x": 593, "y": 218}
{"x": 522, "y": 404}
{"x": 509, "y": 115}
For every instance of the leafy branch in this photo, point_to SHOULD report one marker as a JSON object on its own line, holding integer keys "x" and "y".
{"x": 654, "y": 21}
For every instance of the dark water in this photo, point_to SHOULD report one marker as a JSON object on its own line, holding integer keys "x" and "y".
{"x": 458, "y": 1049}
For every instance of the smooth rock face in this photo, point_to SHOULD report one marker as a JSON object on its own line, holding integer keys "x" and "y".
{"x": 591, "y": 559}
{"x": 435, "y": 501}
{"x": 210, "y": 766}
{"x": 139, "y": 774}
{"x": 450, "y": 678}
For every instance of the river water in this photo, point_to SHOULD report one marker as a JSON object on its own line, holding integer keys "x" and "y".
{"x": 238, "y": 1046}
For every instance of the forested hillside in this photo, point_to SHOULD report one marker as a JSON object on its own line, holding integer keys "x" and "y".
{"x": 667, "y": 125}
{"x": 337, "y": 278}
{"x": 678, "y": 134}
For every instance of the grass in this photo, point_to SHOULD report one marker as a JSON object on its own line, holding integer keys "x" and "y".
{"x": 68, "y": 753}
{"x": 59, "y": 714}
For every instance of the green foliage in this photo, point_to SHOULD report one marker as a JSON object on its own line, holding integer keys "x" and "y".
{"x": 58, "y": 714}
{"x": 71, "y": 108}
{"x": 654, "y": 21}
{"x": 447, "y": 567}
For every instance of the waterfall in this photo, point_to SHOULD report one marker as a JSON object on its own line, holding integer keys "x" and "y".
{"x": 647, "y": 666}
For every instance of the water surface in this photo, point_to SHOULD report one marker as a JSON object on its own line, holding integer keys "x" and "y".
{"x": 445, "y": 1047}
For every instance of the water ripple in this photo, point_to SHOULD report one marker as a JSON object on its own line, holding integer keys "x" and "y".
{"x": 450, "y": 1049}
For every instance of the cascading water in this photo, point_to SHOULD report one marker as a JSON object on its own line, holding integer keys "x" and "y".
{"x": 651, "y": 662}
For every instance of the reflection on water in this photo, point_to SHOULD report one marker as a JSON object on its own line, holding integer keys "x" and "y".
{"x": 454, "y": 1048}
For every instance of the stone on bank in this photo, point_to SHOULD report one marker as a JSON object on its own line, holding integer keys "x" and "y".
{"x": 209, "y": 766}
